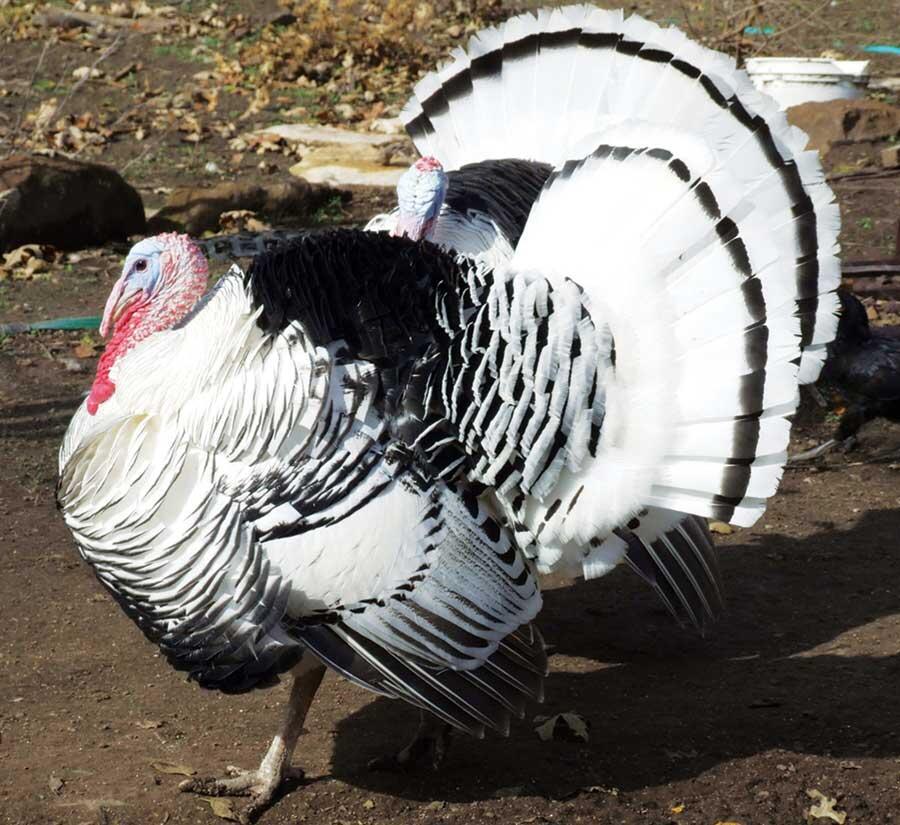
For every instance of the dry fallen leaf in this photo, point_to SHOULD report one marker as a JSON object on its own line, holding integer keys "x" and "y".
{"x": 171, "y": 767}
{"x": 824, "y": 808}
{"x": 222, "y": 808}
{"x": 565, "y": 727}
{"x": 677, "y": 809}
{"x": 87, "y": 73}
{"x": 241, "y": 220}
{"x": 21, "y": 255}
{"x": 721, "y": 528}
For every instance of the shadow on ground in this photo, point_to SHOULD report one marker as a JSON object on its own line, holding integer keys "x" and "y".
{"x": 665, "y": 705}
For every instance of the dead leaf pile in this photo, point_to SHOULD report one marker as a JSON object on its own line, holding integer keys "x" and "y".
{"x": 241, "y": 220}
{"x": 352, "y": 53}
{"x": 27, "y": 262}
{"x": 720, "y": 527}
{"x": 262, "y": 142}
{"x": 87, "y": 347}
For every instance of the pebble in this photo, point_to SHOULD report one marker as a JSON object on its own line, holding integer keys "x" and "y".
{"x": 73, "y": 365}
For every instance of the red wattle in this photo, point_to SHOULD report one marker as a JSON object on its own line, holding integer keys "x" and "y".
{"x": 125, "y": 335}
{"x": 101, "y": 391}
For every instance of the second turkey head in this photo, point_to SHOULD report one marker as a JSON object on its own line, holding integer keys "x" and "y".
{"x": 420, "y": 194}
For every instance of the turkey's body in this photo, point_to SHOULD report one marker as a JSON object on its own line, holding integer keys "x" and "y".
{"x": 864, "y": 363}
{"x": 230, "y": 503}
{"x": 365, "y": 448}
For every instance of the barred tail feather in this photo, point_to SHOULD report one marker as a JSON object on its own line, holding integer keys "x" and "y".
{"x": 473, "y": 700}
{"x": 698, "y": 298}
{"x": 538, "y": 85}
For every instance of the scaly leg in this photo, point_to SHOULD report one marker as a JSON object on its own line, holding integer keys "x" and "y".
{"x": 430, "y": 743}
{"x": 261, "y": 784}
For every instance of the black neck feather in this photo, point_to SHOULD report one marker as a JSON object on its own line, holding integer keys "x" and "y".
{"x": 370, "y": 290}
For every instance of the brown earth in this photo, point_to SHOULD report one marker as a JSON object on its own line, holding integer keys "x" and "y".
{"x": 797, "y": 689}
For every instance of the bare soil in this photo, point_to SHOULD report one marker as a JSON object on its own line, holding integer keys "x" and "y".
{"x": 797, "y": 688}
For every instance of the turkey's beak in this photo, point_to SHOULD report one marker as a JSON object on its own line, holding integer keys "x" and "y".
{"x": 120, "y": 299}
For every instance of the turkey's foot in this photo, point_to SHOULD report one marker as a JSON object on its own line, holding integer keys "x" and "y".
{"x": 428, "y": 748}
{"x": 260, "y": 785}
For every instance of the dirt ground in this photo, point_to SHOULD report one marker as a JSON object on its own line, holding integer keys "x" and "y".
{"x": 796, "y": 690}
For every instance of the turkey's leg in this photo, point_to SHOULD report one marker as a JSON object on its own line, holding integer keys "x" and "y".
{"x": 429, "y": 746}
{"x": 262, "y": 783}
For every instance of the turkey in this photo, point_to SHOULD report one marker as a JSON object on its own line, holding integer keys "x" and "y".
{"x": 864, "y": 366}
{"x": 360, "y": 452}
{"x": 478, "y": 210}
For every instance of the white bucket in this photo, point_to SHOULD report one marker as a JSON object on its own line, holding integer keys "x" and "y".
{"x": 793, "y": 80}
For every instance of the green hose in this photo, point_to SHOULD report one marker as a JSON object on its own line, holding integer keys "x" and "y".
{"x": 87, "y": 322}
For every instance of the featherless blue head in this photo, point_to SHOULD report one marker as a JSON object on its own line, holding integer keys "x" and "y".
{"x": 420, "y": 195}
{"x": 142, "y": 266}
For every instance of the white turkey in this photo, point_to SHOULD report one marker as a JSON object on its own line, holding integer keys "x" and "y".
{"x": 360, "y": 451}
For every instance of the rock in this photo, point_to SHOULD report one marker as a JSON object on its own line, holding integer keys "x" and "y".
{"x": 73, "y": 364}
{"x": 387, "y": 125}
{"x": 323, "y": 135}
{"x": 65, "y": 203}
{"x": 340, "y": 157}
{"x": 885, "y": 84}
{"x": 349, "y": 174}
{"x": 852, "y": 120}
{"x": 197, "y": 209}
{"x": 890, "y": 157}
{"x": 86, "y": 73}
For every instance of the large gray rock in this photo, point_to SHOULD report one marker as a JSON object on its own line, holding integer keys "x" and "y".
{"x": 197, "y": 209}
{"x": 65, "y": 203}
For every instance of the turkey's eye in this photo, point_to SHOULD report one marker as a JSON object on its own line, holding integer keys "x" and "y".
{"x": 140, "y": 265}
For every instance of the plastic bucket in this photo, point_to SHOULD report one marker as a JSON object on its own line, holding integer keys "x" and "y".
{"x": 793, "y": 80}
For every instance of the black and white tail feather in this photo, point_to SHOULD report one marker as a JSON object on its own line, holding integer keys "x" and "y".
{"x": 704, "y": 238}
{"x": 560, "y": 76}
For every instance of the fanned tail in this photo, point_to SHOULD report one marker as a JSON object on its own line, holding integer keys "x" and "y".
{"x": 537, "y": 86}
